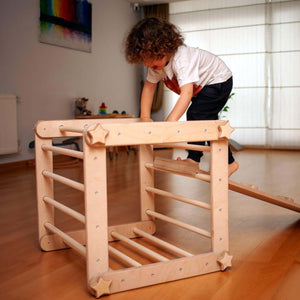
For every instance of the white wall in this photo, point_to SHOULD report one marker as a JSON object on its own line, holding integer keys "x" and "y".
{"x": 260, "y": 42}
{"x": 48, "y": 78}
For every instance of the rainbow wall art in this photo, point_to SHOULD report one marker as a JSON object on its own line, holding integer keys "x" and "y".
{"x": 66, "y": 23}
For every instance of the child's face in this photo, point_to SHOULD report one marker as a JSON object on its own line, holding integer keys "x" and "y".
{"x": 156, "y": 64}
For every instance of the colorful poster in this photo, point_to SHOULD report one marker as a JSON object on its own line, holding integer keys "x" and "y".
{"x": 66, "y": 23}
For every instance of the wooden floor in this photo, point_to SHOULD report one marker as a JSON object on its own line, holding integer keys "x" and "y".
{"x": 264, "y": 239}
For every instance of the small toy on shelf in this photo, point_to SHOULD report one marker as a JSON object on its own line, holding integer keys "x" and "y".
{"x": 102, "y": 109}
{"x": 81, "y": 109}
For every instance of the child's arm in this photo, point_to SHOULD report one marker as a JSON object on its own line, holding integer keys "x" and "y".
{"x": 146, "y": 100}
{"x": 186, "y": 94}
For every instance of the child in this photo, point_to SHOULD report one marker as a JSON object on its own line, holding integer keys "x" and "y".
{"x": 196, "y": 75}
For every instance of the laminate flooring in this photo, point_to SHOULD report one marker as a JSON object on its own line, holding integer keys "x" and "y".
{"x": 264, "y": 239}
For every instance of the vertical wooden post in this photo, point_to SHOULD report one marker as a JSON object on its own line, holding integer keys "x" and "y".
{"x": 219, "y": 195}
{"x": 44, "y": 185}
{"x": 95, "y": 194}
{"x": 146, "y": 179}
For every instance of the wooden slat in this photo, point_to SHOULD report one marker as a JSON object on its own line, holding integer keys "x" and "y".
{"x": 267, "y": 197}
{"x": 161, "y": 272}
{"x": 146, "y": 179}
{"x": 136, "y": 133}
{"x": 179, "y": 223}
{"x": 162, "y": 243}
{"x": 67, "y": 210}
{"x": 67, "y": 239}
{"x": 44, "y": 185}
{"x": 95, "y": 198}
{"x": 185, "y": 146}
{"x": 139, "y": 247}
{"x": 128, "y": 260}
{"x": 60, "y": 150}
{"x": 178, "y": 197}
{"x": 69, "y": 182}
{"x": 219, "y": 195}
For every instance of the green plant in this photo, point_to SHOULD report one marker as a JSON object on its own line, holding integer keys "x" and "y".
{"x": 225, "y": 109}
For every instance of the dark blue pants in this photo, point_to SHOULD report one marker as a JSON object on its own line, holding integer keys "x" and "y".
{"x": 205, "y": 106}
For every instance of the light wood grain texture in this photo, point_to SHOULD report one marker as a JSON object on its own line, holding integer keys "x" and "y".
{"x": 95, "y": 140}
{"x": 264, "y": 238}
{"x": 95, "y": 199}
{"x": 124, "y": 132}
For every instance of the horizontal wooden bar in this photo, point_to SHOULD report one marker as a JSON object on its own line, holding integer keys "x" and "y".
{"x": 127, "y": 229}
{"x": 137, "y": 133}
{"x": 67, "y": 239}
{"x": 51, "y": 242}
{"x": 179, "y": 223}
{"x": 64, "y": 151}
{"x": 202, "y": 175}
{"x": 67, "y": 210}
{"x": 74, "y": 184}
{"x": 178, "y": 197}
{"x": 131, "y": 262}
{"x": 161, "y": 272}
{"x": 162, "y": 243}
{"x": 185, "y": 146}
{"x": 64, "y": 128}
{"x": 139, "y": 247}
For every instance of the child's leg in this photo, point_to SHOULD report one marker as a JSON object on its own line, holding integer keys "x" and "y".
{"x": 206, "y": 106}
{"x": 195, "y": 155}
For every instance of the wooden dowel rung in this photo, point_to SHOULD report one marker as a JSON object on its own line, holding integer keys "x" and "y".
{"x": 64, "y": 151}
{"x": 131, "y": 262}
{"x": 185, "y": 146}
{"x": 204, "y": 177}
{"x": 162, "y": 243}
{"x": 70, "y": 128}
{"x": 67, "y": 210}
{"x": 139, "y": 247}
{"x": 178, "y": 197}
{"x": 74, "y": 184}
{"x": 67, "y": 239}
{"x": 179, "y": 223}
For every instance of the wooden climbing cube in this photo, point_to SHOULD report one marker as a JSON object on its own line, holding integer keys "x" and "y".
{"x": 93, "y": 243}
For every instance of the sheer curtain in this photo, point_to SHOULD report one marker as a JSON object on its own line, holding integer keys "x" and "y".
{"x": 259, "y": 40}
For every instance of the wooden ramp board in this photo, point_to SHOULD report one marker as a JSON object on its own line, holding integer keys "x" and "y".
{"x": 255, "y": 193}
{"x": 246, "y": 189}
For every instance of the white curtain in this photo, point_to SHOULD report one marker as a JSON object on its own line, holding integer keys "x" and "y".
{"x": 260, "y": 42}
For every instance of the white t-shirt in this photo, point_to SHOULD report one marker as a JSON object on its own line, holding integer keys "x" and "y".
{"x": 191, "y": 65}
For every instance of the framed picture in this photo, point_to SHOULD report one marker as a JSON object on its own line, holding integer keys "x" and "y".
{"x": 66, "y": 23}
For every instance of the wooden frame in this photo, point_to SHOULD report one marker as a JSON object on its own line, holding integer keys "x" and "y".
{"x": 93, "y": 242}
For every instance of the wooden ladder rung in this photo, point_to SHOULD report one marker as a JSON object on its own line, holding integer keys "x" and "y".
{"x": 139, "y": 247}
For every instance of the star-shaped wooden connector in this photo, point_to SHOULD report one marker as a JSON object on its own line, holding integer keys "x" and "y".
{"x": 96, "y": 134}
{"x": 225, "y": 261}
{"x": 101, "y": 287}
{"x": 225, "y": 130}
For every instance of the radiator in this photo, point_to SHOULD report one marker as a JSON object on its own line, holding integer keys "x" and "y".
{"x": 8, "y": 124}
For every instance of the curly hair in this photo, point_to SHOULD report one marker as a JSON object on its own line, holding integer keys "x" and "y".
{"x": 152, "y": 38}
